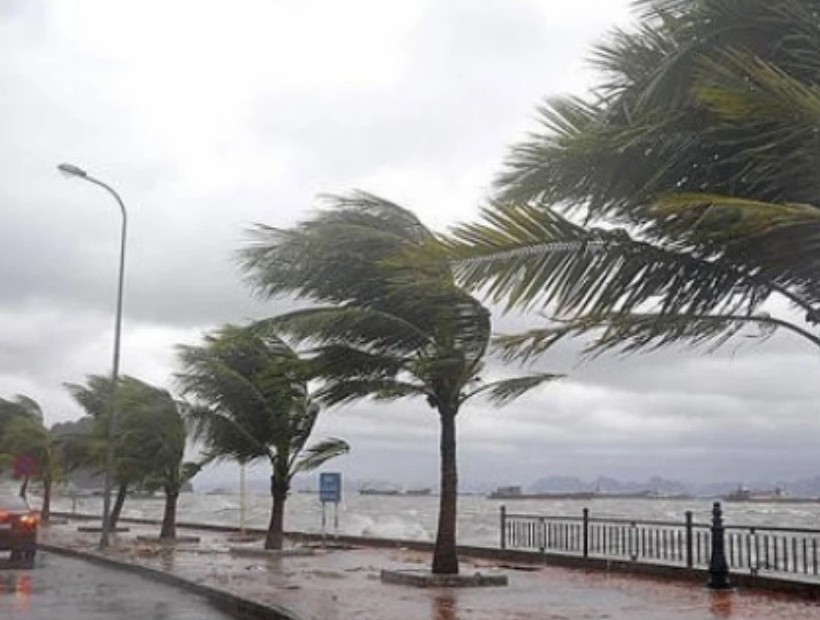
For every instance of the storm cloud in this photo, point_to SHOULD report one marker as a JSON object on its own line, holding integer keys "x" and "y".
{"x": 208, "y": 117}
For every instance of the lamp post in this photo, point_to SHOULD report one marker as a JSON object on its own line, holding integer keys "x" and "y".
{"x": 74, "y": 171}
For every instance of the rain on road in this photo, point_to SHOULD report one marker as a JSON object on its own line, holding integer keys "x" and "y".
{"x": 70, "y": 589}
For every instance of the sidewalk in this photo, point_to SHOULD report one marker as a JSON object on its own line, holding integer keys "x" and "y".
{"x": 344, "y": 584}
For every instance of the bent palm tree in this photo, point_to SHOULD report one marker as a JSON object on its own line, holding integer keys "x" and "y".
{"x": 695, "y": 162}
{"x": 155, "y": 423}
{"x": 26, "y": 435}
{"x": 253, "y": 403}
{"x": 149, "y": 435}
{"x": 17, "y": 414}
{"x": 393, "y": 324}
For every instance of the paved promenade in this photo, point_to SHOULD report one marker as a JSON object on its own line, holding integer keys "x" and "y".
{"x": 344, "y": 584}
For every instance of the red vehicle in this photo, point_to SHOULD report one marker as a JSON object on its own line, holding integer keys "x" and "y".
{"x": 18, "y": 529}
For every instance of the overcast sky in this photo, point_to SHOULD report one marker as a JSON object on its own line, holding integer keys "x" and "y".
{"x": 209, "y": 116}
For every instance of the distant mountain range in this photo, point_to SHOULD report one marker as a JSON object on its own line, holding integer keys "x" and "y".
{"x": 804, "y": 487}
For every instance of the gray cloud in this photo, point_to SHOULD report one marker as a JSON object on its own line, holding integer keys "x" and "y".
{"x": 208, "y": 120}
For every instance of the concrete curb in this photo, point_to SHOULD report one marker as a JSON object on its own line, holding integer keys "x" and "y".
{"x": 226, "y": 601}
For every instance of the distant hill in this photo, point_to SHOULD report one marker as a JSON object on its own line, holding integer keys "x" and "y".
{"x": 806, "y": 487}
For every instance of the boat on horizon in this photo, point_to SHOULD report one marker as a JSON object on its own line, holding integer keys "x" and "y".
{"x": 777, "y": 496}
{"x": 415, "y": 492}
{"x": 419, "y": 492}
{"x": 515, "y": 492}
{"x": 374, "y": 491}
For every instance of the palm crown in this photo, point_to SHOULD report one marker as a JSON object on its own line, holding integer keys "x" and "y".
{"x": 679, "y": 197}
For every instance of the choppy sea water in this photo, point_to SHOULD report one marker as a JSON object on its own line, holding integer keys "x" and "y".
{"x": 414, "y": 517}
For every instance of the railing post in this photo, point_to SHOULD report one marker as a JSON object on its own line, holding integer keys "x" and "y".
{"x": 718, "y": 567}
{"x": 586, "y": 533}
{"x": 503, "y": 527}
{"x": 690, "y": 539}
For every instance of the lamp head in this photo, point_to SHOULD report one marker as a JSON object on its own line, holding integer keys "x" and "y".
{"x": 70, "y": 170}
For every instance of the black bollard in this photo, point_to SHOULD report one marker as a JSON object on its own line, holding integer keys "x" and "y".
{"x": 718, "y": 566}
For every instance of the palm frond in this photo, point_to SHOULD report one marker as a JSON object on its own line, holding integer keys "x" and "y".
{"x": 525, "y": 255}
{"x": 353, "y": 389}
{"x": 778, "y": 243}
{"x": 319, "y": 453}
{"x": 223, "y": 437}
{"x": 715, "y": 96}
{"x": 630, "y": 333}
{"x": 379, "y": 330}
{"x": 778, "y": 114}
{"x": 336, "y": 256}
{"x": 341, "y": 361}
{"x": 94, "y": 396}
{"x": 189, "y": 469}
{"x": 500, "y": 393}
{"x": 29, "y": 405}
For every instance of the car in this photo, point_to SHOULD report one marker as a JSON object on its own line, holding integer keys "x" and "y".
{"x": 18, "y": 529}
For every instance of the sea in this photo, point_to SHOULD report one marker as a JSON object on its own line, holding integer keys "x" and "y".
{"x": 414, "y": 517}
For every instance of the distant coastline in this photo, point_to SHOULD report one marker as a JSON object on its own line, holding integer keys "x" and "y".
{"x": 515, "y": 492}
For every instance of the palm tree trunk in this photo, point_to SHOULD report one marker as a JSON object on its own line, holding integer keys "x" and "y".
{"x": 276, "y": 528}
{"x": 24, "y": 488}
{"x": 445, "y": 557}
{"x": 117, "y": 509}
{"x": 169, "y": 516}
{"x": 45, "y": 511}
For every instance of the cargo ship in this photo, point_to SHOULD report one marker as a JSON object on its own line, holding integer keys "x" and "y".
{"x": 742, "y": 494}
{"x": 419, "y": 492}
{"x": 517, "y": 493}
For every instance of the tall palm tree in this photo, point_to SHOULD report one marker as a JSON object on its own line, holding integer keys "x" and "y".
{"x": 252, "y": 402}
{"x": 391, "y": 324}
{"x": 680, "y": 197}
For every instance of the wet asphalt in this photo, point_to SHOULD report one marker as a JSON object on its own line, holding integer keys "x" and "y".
{"x": 69, "y": 589}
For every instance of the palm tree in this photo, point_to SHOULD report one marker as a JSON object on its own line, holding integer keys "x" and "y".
{"x": 149, "y": 438}
{"x": 676, "y": 201}
{"x": 156, "y": 424}
{"x": 14, "y": 413}
{"x": 27, "y": 436}
{"x": 253, "y": 403}
{"x": 392, "y": 323}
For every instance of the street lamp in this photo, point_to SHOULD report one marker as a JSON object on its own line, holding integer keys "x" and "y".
{"x": 74, "y": 171}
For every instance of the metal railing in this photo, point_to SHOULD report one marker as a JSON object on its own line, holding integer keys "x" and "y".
{"x": 775, "y": 551}
{"x": 778, "y": 550}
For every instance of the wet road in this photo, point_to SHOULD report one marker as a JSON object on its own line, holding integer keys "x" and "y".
{"x": 69, "y": 589}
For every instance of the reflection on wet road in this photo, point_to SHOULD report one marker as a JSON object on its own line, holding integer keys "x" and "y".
{"x": 68, "y": 589}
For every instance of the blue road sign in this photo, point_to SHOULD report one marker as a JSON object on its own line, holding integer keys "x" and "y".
{"x": 330, "y": 487}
